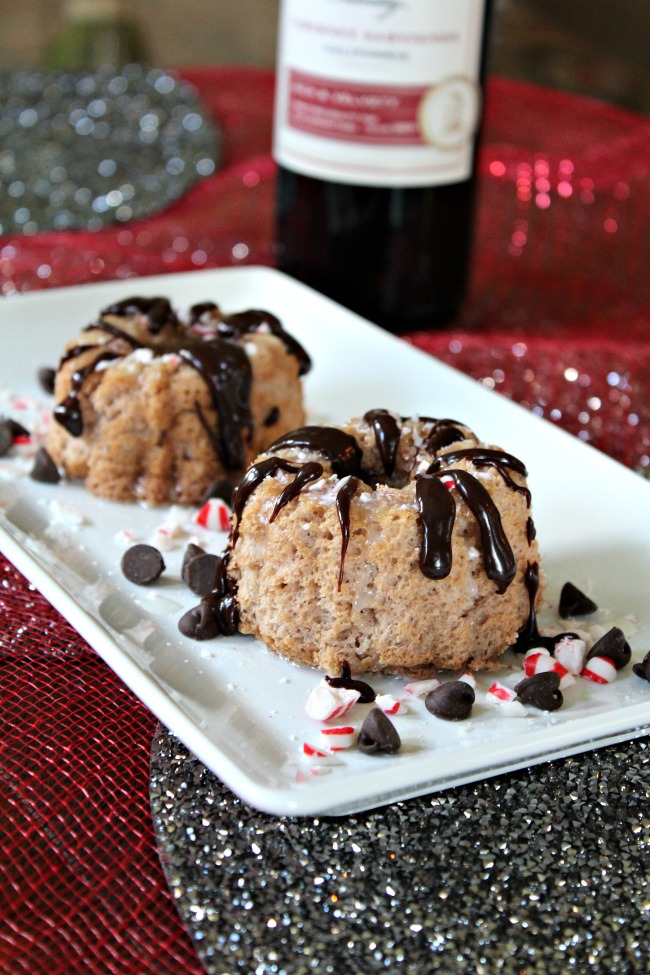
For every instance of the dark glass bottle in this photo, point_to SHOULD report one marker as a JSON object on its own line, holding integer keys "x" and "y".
{"x": 396, "y": 254}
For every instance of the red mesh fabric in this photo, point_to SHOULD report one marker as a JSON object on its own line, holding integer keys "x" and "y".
{"x": 558, "y": 318}
{"x": 81, "y": 885}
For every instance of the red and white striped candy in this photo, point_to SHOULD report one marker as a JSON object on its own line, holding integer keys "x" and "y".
{"x": 541, "y": 662}
{"x": 389, "y": 704}
{"x": 600, "y": 670}
{"x": 326, "y": 702}
{"x": 468, "y": 678}
{"x": 337, "y": 737}
{"x": 499, "y": 693}
{"x": 420, "y": 688}
{"x": 214, "y": 515}
{"x": 571, "y": 653}
{"x": 318, "y": 756}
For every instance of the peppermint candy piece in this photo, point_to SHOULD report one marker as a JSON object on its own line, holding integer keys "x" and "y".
{"x": 571, "y": 653}
{"x": 499, "y": 694}
{"x": 318, "y": 756}
{"x": 600, "y": 670}
{"x": 389, "y": 704}
{"x": 420, "y": 688}
{"x": 541, "y": 663}
{"x": 214, "y": 515}
{"x": 337, "y": 738}
{"x": 326, "y": 702}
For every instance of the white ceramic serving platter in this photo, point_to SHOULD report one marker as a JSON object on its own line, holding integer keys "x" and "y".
{"x": 239, "y": 708}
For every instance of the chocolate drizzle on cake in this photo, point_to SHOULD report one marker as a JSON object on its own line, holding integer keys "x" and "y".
{"x": 444, "y": 433}
{"x": 243, "y": 323}
{"x": 157, "y": 311}
{"x": 220, "y": 360}
{"x": 338, "y": 447}
{"x": 437, "y": 492}
{"x": 344, "y": 497}
{"x": 437, "y": 515}
{"x": 68, "y": 412}
{"x": 387, "y": 437}
{"x": 529, "y": 636}
{"x": 487, "y": 457}
{"x": 226, "y": 371}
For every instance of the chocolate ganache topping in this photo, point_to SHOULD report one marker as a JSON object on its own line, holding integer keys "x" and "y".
{"x": 435, "y": 501}
{"x": 218, "y": 357}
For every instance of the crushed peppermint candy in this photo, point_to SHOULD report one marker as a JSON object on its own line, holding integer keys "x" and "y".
{"x": 389, "y": 704}
{"x": 498, "y": 693}
{"x": 214, "y": 515}
{"x": 336, "y": 738}
{"x": 326, "y": 702}
{"x": 420, "y": 688}
{"x": 600, "y": 670}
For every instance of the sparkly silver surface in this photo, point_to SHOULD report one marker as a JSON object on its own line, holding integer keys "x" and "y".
{"x": 540, "y": 871}
{"x": 80, "y": 151}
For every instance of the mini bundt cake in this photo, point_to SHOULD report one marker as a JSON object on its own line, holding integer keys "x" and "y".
{"x": 153, "y": 408}
{"x": 392, "y": 545}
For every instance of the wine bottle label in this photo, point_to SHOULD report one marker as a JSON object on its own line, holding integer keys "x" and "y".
{"x": 379, "y": 92}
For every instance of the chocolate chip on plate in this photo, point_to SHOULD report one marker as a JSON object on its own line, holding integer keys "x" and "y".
{"x": 541, "y": 691}
{"x": 222, "y": 488}
{"x": 614, "y": 646}
{"x": 199, "y": 623}
{"x": 378, "y": 735}
{"x": 574, "y": 602}
{"x": 6, "y": 437}
{"x": 46, "y": 376}
{"x": 142, "y": 564}
{"x": 452, "y": 701}
{"x": 642, "y": 669}
{"x": 199, "y": 573}
{"x": 44, "y": 469}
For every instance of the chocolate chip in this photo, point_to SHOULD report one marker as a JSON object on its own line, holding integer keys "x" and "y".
{"x": 191, "y": 552}
{"x": 142, "y": 564}
{"x": 642, "y": 670}
{"x": 199, "y": 623}
{"x": 17, "y": 429}
{"x": 541, "y": 691}
{"x": 222, "y": 488}
{"x": 614, "y": 646}
{"x": 46, "y": 376}
{"x": 573, "y": 602}
{"x": 452, "y": 701}
{"x": 6, "y": 437}
{"x": 44, "y": 468}
{"x": 9, "y": 430}
{"x": 378, "y": 734}
{"x": 199, "y": 573}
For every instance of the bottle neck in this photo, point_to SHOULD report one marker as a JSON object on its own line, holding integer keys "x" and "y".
{"x": 89, "y": 10}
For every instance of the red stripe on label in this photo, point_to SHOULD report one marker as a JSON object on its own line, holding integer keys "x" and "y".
{"x": 375, "y": 114}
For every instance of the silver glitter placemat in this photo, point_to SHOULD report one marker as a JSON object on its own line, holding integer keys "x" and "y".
{"x": 80, "y": 151}
{"x": 541, "y": 871}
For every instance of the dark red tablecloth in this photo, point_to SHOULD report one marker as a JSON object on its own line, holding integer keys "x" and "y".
{"x": 558, "y": 317}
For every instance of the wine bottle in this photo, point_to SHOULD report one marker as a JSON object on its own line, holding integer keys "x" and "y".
{"x": 377, "y": 112}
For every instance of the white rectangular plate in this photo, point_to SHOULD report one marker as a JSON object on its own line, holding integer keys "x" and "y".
{"x": 239, "y": 708}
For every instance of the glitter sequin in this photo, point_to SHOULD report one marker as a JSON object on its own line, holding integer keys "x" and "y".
{"x": 538, "y": 871}
{"x": 79, "y": 152}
